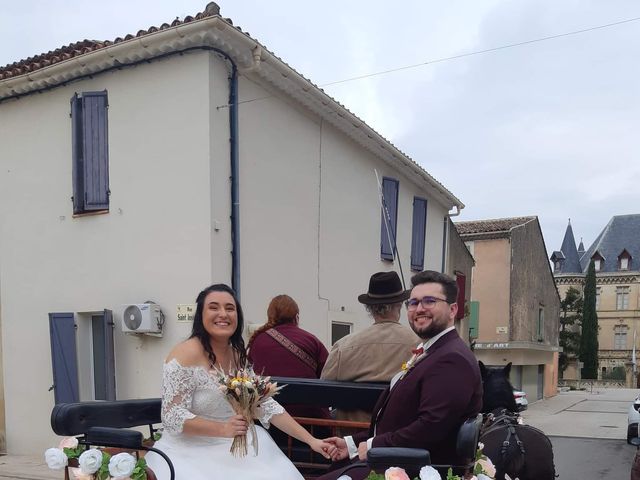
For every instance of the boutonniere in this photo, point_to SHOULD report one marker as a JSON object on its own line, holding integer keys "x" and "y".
{"x": 408, "y": 365}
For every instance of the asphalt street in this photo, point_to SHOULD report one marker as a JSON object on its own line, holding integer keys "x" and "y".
{"x": 592, "y": 458}
{"x": 588, "y": 431}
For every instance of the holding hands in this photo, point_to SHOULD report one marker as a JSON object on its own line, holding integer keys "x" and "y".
{"x": 320, "y": 446}
{"x": 337, "y": 448}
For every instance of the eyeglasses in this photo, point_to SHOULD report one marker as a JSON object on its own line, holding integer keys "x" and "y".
{"x": 426, "y": 302}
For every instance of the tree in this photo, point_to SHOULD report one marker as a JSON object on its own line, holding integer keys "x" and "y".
{"x": 589, "y": 337}
{"x": 570, "y": 323}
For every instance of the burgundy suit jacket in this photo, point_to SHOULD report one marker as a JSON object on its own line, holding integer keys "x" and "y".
{"x": 428, "y": 405}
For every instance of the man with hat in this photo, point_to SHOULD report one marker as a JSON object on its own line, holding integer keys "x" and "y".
{"x": 375, "y": 354}
{"x": 430, "y": 398}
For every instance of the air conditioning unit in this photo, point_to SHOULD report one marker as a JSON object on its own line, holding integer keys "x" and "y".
{"x": 142, "y": 318}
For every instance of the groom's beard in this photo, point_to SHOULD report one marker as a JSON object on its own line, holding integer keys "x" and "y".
{"x": 438, "y": 323}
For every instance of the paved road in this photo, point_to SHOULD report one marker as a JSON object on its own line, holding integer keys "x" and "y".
{"x": 592, "y": 458}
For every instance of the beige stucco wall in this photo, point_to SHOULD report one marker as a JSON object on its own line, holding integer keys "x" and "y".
{"x": 491, "y": 287}
{"x": 309, "y": 220}
{"x": 532, "y": 288}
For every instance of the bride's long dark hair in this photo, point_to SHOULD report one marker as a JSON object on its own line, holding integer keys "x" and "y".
{"x": 198, "y": 330}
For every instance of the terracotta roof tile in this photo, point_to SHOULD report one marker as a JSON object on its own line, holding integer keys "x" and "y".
{"x": 76, "y": 49}
{"x": 491, "y": 225}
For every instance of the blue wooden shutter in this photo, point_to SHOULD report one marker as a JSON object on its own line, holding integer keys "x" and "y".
{"x": 418, "y": 232}
{"x": 64, "y": 361}
{"x": 389, "y": 217}
{"x": 95, "y": 150}
{"x": 77, "y": 154}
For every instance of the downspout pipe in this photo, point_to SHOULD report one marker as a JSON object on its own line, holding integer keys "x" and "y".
{"x": 235, "y": 176}
{"x": 234, "y": 160}
{"x": 445, "y": 237}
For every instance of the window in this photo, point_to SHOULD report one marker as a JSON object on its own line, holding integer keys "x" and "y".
{"x": 597, "y": 264}
{"x": 622, "y": 298}
{"x": 557, "y": 266}
{"x": 598, "y": 291}
{"x": 624, "y": 260}
{"x": 620, "y": 337}
{"x": 339, "y": 330}
{"x": 540, "y": 324}
{"x": 418, "y": 231}
{"x": 389, "y": 217}
{"x": 90, "y": 152}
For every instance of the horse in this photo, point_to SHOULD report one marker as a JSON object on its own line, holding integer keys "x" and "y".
{"x": 520, "y": 451}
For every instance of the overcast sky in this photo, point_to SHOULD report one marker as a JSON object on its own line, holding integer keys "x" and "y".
{"x": 549, "y": 128}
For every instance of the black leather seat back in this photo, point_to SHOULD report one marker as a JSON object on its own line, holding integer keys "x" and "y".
{"x": 467, "y": 440}
{"x": 70, "y": 419}
{"x": 328, "y": 393}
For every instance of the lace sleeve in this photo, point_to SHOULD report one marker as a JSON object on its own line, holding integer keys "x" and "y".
{"x": 178, "y": 384}
{"x": 268, "y": 409}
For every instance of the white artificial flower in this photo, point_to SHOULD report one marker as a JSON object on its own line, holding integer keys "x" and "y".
{"x": 480, "y": 446}
{"x": 429, "y": 473}
{"x": 55, "y": 458}
{"x": 344, "y": 477}
{"x": 482, "y": 476}
{"x": 90, "y": 461}
{"x": 122, "y": 465}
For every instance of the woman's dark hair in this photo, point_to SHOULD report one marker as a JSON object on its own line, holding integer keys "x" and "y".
{"x": 198, "y": 330}
{"x": 282, "y": 309}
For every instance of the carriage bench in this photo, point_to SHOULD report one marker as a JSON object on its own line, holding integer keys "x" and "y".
{"x": 97, "y": 422}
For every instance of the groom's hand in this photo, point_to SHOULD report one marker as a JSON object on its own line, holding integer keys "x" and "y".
{"x": 362, "y": 450}
{"x": 338, "y": 448}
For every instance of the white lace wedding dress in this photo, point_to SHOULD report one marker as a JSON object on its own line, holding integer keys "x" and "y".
{"x": 193, "y": 391}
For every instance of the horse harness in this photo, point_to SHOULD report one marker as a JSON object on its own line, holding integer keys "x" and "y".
{"x": 502, "y": 418}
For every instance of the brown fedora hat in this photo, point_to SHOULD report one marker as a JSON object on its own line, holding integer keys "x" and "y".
{"x": 384, "y": 287}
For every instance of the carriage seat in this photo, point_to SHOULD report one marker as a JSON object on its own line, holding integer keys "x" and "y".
{"x": 413, "y": 459}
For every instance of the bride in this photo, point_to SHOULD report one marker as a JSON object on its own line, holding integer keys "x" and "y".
{"x": 199, "y": 423}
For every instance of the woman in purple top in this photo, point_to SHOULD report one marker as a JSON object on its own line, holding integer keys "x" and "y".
{"x": 281, "y": 348}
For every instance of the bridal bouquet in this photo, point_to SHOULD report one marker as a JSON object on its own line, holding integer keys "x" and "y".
{"x": 245, "y": 391}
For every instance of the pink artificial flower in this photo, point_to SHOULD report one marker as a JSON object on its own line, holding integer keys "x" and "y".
{"x": 68, "y": 442}
{"x": 78, "y": 475}
{"x": 395, "y": 473}
{"x": 487, "y": 466}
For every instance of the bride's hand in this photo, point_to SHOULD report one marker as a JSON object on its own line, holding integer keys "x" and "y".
{"x": 321, "y": 447}
{"x": 236, "y": 425}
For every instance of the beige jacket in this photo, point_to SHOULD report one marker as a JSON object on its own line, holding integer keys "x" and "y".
{"x": 375, "y": 354}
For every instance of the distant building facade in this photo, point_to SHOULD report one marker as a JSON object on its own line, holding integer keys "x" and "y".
{"x": 616, "y": 257}
{"x": 460, "y": 266}
{"x": 514, "y": 301}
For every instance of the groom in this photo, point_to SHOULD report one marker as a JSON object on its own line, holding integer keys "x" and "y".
{"x": 427, "y": 402}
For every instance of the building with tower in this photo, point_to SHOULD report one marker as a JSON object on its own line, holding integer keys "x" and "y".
{"x": 616, "y": 256}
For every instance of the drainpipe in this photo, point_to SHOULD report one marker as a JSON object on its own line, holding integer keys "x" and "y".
{"x": 445, "y": 236}
{"x": 235, "y": 196}
{"x": 234, "y": 164}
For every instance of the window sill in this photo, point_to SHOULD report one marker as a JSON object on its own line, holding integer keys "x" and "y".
{"x": 90, "y": 214}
